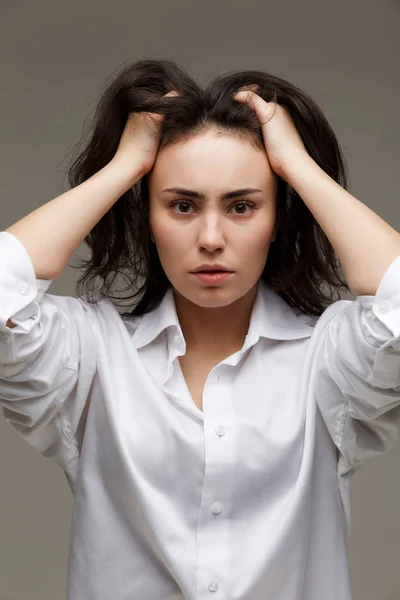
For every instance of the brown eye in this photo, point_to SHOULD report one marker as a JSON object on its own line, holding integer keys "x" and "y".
{"x": 176, "y": 202}
{"x": 241, "y": 203}
{"x": 244, "y": 203}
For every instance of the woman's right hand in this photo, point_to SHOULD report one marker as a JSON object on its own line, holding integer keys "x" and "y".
{"x": 140, "y": 140}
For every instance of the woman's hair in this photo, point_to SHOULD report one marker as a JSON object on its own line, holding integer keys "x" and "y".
{"x": 301, "y": 267}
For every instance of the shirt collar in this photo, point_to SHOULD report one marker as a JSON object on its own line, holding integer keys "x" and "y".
{"x": 271, "y": 317}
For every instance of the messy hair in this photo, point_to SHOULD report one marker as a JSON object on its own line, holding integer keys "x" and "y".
{"x": 302, "y": 266}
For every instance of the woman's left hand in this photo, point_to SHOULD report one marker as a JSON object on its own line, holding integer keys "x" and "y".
{"x": 282, "y": 140}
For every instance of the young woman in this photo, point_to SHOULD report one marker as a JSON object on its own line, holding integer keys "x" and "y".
{"x": 209, "y": 433}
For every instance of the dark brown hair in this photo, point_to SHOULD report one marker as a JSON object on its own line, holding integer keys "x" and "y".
{"x": 301, "y": 267}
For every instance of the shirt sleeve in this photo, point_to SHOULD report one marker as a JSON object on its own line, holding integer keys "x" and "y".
{"x": 358, "y": 373}
{"x": 47, "y": 362}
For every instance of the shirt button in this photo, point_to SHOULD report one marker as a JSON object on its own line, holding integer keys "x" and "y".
{"x": 213, "y": 585}
{"x": 384, "y": 306}
{"x": 220, "y": 430}
{"x": 388, "y": 349}
{"x": 216, "y": 508}
{"x": 3, "y": 335}
{"x": 24, "y": 289}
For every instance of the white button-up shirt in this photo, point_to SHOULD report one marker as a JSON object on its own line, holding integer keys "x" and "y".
{"x": 248, "y": 499}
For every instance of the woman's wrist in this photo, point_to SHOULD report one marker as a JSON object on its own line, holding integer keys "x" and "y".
{"x": 130, "y": 170}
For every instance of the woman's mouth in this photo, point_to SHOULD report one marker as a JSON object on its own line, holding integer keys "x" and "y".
{"x": 212, "y": 277}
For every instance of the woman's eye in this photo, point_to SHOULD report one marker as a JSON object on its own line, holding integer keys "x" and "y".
{"x": 241, "y": 203}
{"x": 244, "y": 204}
{"x": 177, "y": 202}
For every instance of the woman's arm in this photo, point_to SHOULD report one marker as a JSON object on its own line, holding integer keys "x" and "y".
{"x": 365, "y": 244}
{"x": 52, "y": 232}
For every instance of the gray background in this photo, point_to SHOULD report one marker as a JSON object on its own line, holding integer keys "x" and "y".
{"x": 55, "y": 57}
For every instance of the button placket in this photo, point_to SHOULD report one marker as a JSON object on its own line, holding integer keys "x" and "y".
{"x": 217, "y": 508}
{"x": 213, "y": 542}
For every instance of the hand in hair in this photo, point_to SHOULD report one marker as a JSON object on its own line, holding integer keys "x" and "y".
{"x": 282, "y": 140}
{"x": 140, "y": 139}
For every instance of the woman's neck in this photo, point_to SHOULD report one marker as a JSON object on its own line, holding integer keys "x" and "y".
{"x": 218, "y": 331}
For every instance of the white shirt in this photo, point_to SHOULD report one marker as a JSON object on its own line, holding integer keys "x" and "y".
{"x": 248, "y": 499}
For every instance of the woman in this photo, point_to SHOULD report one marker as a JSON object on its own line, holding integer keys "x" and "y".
{"x": 209, "y": 433}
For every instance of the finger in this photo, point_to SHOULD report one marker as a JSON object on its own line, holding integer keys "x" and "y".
{"x": 172, "y": 93}
{"x": 158, "y": 117}
{"x": 264, "y": 110}
{"x": 254, "y": 87}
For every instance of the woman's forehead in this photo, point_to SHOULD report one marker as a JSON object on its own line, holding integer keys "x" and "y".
{"x": 227, "y": 160}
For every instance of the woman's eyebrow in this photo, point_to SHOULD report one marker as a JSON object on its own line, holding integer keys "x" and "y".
{"x": 200, "y": 196}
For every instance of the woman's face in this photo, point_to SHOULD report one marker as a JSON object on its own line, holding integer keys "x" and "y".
{"x": 209, "y": 230}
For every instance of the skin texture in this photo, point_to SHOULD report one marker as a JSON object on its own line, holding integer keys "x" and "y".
{"x": 214, "y": 318}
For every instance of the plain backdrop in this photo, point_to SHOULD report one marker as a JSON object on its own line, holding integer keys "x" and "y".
{"x": 55, "y": 57}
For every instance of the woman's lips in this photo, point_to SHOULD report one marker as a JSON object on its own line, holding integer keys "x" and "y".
{"x": 212, "y": 276}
